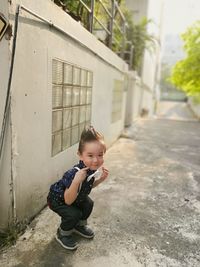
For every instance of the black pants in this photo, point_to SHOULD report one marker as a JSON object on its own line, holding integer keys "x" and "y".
{"x": 72, "y": 214}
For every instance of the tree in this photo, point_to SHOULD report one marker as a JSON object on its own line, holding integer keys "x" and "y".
{"x": 186, "y": 73}
{"x": 141, "y": 39}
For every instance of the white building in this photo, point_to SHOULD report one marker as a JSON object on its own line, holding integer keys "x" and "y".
{"x": 150, "y": 75}
{"x": 63, "y": 79}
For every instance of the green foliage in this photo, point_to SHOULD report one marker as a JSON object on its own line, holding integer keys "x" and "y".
{"x": 164, "y": 76}
{"x": 141, "y": 39}
{"x": 76, "y": 10}
{"x": 136, "y": 33}
{"x": 12, "y": 233}
{"x": 186, "y": 72}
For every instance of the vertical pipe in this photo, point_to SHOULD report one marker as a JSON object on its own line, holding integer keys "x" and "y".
{"x": 131, "y": 56}
{"x": 7, "y": 104}
{"x": 91, "y": 17}
{"x": 111, "y": 24}
{"x": 13, "y": 135}
{"x": 123, "y": 39}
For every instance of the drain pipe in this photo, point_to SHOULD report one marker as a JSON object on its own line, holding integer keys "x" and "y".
{"x": 7, "y": 111}
{"x": 8, "y": 96}
{"x": 7, "y": 104}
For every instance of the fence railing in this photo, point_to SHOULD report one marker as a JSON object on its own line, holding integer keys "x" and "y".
{"x": 112, "y": 30}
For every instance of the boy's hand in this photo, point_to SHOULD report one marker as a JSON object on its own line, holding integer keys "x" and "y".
{"x": 80, "y": 175}
{"x": 104, "y": 174}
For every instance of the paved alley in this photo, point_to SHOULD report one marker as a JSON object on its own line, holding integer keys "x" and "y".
{"x": 175, "y": 111}
{"x": 146, "y": 214}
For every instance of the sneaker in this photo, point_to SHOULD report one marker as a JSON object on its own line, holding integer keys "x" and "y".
{"x": 67, "y": 242}
{"x": 84, "y": 231}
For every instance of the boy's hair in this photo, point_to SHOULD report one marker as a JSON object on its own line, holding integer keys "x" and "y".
{"x": 89, "y": 134}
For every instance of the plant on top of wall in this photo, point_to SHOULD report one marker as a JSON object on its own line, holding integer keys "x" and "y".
{"x": 135, "y": 33}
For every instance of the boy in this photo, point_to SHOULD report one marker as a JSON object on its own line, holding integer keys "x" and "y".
{"x": 69, "y": 196}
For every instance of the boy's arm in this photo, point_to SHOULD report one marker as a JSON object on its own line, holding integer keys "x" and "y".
{"x": 70, "y": 193}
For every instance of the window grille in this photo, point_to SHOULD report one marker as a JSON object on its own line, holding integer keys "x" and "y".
{"x": 117, "y": 100}
{"x": 71, "y": 103}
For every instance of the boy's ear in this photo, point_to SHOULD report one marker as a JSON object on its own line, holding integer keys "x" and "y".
{"x": 78, "y": 153}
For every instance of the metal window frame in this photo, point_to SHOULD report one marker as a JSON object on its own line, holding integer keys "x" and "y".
{"x": 87, "y": 86}
{"x": 125, "y": 50}
{"x": 117, "y": 113}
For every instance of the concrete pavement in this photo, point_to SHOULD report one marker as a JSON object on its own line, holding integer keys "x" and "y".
{"x": 146, "y": 214}
{"x": 175, "y": 111}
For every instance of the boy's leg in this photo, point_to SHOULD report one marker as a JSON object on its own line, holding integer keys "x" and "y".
{"x": 70, "y": 216}
{"x": 87, "y": 208}
{"x": 81, "y": 228}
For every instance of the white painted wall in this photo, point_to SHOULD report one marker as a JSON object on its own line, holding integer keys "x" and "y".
{"x": 138, "y": 8}
{"x": 151, "y": 64}
{"x": 134, "y": 98}
{"x": 37, "y": 44}
{"x": 147, "y": 94}
{"x": 5, "y": 161}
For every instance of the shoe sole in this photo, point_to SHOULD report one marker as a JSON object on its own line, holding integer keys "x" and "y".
{"x": 79, "y": 233}
{"x": 66, "y": 247}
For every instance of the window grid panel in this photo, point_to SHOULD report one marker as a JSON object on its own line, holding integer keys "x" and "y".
{"x": 66, "y": 139}
{"x": 83, "y": 77}
{"x": 71, "y": 104}
{"x": 67, "y": 96}
{"x": 117, "y": 101}
{"x": 76, "y": 76}
{"x": 83, "y": 93}
{"x": 56, "y": 143}
{"x": 88, "y": 112}
{"x": 74, "y": 135}
{"x": 67, "y": 118}
{"x": 56, "y": 120}
{"x": 68, "y": 74}
{"x": 89, "y": 79}
{"x": 57, "y": 72}
{"x": 82, "y": 114}
{"x": 76, "y": 96}
{"x": 89, "y": 96}
{"x": 57, "y": 96}
{"x": 75, "y": 116}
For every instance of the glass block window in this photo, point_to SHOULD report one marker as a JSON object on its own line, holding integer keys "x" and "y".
{"x": 71, "y": 104}
{"x": 117, "y": 100}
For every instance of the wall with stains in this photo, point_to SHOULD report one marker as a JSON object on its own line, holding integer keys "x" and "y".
{"x": 33, "y": 168}
{"x": 5, "y": 158}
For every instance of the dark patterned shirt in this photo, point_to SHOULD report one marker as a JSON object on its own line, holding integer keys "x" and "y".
{"x": 57, "y": 189}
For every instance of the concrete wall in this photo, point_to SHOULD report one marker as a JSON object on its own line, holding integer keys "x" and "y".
{"x": 147, "y": 87}
{"x": 138, "y": 9}
{"x": 5, "y": 160}
{"x": 33, "y": 167}
{"x": 134, "y": 98}
{"x": 195, "y": 106}
{"x": 151, "y": 64}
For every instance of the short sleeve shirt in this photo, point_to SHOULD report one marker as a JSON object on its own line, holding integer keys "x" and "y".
{"x": 57, "y": 189}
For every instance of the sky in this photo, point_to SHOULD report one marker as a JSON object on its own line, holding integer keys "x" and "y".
{"x": 179, "y": 14}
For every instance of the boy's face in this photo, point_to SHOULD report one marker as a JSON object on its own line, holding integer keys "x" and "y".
{"x": 92, "y": 155}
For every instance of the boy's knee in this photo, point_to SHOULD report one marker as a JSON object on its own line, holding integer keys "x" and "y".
{"x": 88, "y": 207}
{"x": 76, "y": 215}
{"x": 90, "y": 203}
